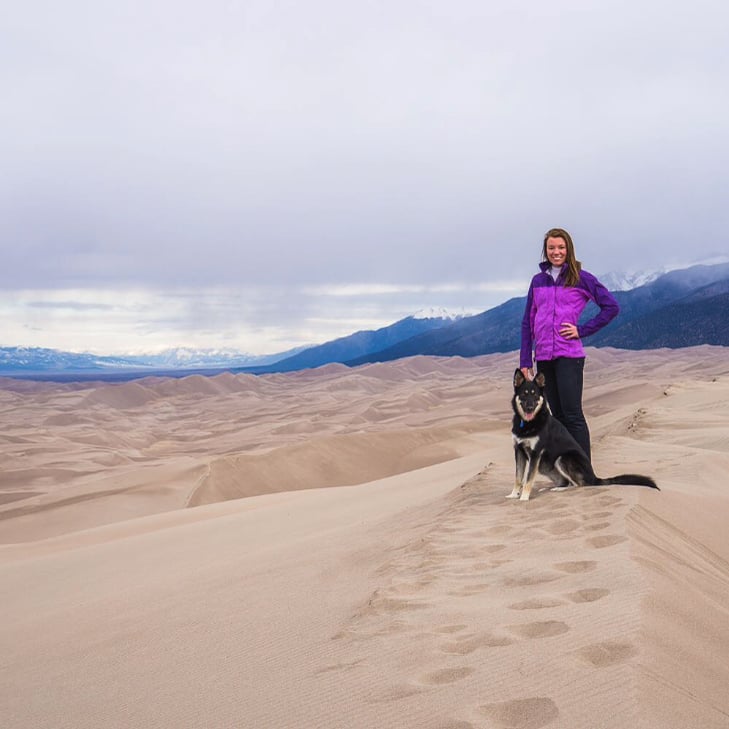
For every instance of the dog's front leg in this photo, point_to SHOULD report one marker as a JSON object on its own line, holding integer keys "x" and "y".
{"x": 530, "y": 475}
{"x": 521, "y": 462}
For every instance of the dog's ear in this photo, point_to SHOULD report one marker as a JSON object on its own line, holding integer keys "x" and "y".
{"x": 539, "y": 379}
{"x": 518, "y": 377}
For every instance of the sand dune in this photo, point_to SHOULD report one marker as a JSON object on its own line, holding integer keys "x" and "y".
{"x": 374, "y": 575}
{"x": 230, "y": 436}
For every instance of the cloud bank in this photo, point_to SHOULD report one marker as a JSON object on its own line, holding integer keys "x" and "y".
{"x": 219, "y": 171}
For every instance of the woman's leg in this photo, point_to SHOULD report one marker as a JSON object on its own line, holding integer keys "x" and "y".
{"x": 548, "y": 369}
{"x": 563, "y": 387}
{"x": 568, "y": 375}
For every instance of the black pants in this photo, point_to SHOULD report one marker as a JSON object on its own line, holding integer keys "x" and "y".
{"x": 564, "y": 377}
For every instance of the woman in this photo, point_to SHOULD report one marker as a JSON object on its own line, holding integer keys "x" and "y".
{"x": 557, "y": 296}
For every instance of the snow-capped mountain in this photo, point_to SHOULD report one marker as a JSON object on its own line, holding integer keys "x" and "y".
{"x": 440, "y": 312}
{"x": 190, "y": 358}
{"x": 40, "y": 359}
{"x": 625, "y": 281}
{"x": 628, "y": 280}
{"x": 14, "y": 360}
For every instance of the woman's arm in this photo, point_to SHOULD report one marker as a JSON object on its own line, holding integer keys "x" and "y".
{"x": 609, "y": 307}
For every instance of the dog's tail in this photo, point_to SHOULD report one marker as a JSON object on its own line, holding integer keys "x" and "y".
{"x": 627, "y": 479}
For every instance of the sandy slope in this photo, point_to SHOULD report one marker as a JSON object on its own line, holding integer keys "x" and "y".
{"x": 409, "y": 593}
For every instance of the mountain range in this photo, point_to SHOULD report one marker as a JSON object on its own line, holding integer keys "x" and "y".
{"x": 680, "y": 308}
{"x": 361, "y": 344}
{"x": 39, "y": 359}
{"x": 44, "y": 363}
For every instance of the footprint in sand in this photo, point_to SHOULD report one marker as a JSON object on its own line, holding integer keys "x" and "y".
{"x": 597, "y": 527}
{"x": 553, "y": 504}
{"x": 396, "y": 626}
{"x": 380, "y": 604}
{"x": 598, "y": 515}
{"x": 395, "y": 693}
{"x": 590, "y": 493}
{"x": 450, "y": 628}
{"x": 607, "y": 653}
{"x": 468, "y": 645}
{"x": 536, "y": 603}
{"x": 446, "y": 675}
{"x": 563, "y": 526}
{"x": 529, "y": 579}
{"x": 610, "y": 500}
{"x": 498, "y": 530}
{"x": 532, "y": 713}
{"x": 493, "y": 548}
{"x": 590, "y": 594}
{"x": 605, "y": 540}
{"x": 576, "y": 567}
{"x": 545, "y": 629}
{"x": 358, "y": 635}
{"x": 470, "y": 590}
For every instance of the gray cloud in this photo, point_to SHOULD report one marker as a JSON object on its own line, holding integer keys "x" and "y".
{"x": 163, "y": 145}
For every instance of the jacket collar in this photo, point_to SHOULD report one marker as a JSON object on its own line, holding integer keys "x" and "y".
{"x": 544, "y": 267}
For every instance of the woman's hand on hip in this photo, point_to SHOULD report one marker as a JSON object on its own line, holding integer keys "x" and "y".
{"x": 569, "y": 331}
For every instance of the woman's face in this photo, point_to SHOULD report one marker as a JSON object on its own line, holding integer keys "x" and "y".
{"x": 556, "y": 251}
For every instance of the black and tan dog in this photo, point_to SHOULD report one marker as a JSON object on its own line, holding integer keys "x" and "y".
{"x": 543, "y": 445}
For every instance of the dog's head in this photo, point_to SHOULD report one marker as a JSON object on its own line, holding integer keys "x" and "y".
{"x": 528, "y": 395}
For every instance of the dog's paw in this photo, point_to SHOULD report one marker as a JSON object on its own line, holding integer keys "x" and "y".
{"x": 524, "y": 497}
{"x": 513, "y": 495}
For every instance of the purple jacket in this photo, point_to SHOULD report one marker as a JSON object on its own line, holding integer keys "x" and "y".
{"x": 550, "y": 303}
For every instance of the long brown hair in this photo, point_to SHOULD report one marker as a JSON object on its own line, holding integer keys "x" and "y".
{"x": 573, "y": 265}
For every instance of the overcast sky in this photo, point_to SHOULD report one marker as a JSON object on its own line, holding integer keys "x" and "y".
{"x": 263, "y": 174}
